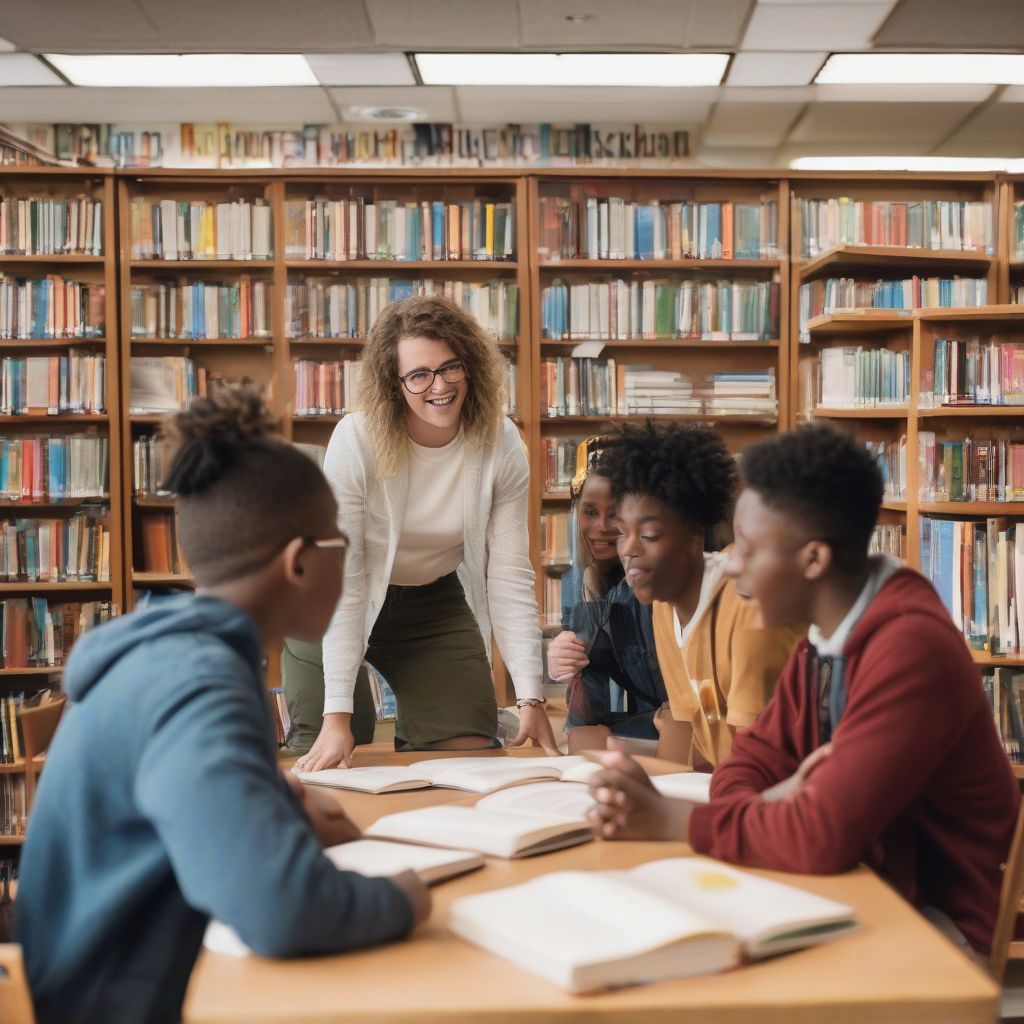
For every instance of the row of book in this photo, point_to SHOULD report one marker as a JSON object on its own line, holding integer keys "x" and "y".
{"x": 169, "y": 229}
{"x": 156, "y": 546}
{"x": 149, "y": 466}
{"x": 328, "y": 308}
{"x": 73, "y": 549}
{"x": 956, "y": 224}
{"x": 196, "y": 310}
{"x": 53, "y": 469}
{"x": 13, "y": 806}
{"x": 971, "y": 469}
{"x": 559, "y": 459}
{"x": 48, "y": 226}
{"x": 551, "y": 608}
{"x": 650, "y": 310}
{"x": 53, "y": 385}
{"x": 555, "y": 539}
{"x": 977, "y": 567}
{"x": 37, "y": 633}
{"x": 836, "y": 294}
{"x": 969, "y": 372}
{"x": 891, "y": 457}
{"x": 616, "y": 228}
{"x": 604, "y": 387}
{"x": 11, "y": 749}
{"x": 854, "y": 377}
{"x": 1004, "y": 690}
{"x": 387, "y": 229}
{"x": 889, "y": 539}
{"x": 325, "y": 388}
{"x": 165, "y": 383}
{"x": 1018, "y": 230}
{"x": 50, "y": 307}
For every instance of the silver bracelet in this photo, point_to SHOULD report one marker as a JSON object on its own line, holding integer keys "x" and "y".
{"x": 530, "y": 702}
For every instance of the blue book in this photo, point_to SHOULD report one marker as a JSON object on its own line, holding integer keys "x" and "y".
{"x": 437, "y": 213}
{"x": 645, "y": 232}
{"x": 943, "y": 578}
{"x": 714, "y": 215}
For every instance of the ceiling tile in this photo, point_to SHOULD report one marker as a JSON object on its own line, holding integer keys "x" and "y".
{"x": 770, "y": 69}
{"x": 530, "y": 104}
{"x": 819, "y": 26}
{"x": 779, "y": 94}
{"x": 959, "y": 93}
{"x": 445, "y": 24}
{"x": 24, "y": 69}
{"x": 268, "y": 25}
{"x": 954, "y": 25}
{"x": 1012, "y": 94}
{"x": 854, "y": 124}
{"x": 749, "y": 124}
{"x": 77, "y": 27}
{"x": 361, "y": 68}
{"x": 145, "y": 106}
{"x": 655, "y": 23}
{"x": 997, "y": 123}
{"x": 436, "y": 101}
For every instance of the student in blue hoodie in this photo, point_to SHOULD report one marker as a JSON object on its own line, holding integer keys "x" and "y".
{"x": 162, "y": 804}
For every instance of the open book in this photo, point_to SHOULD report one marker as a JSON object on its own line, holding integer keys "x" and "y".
{"x": 374, "y": 860}
{"x": 472, "y": 774}
{"x": 500, "y": 832}
{"x": 587, "y": 930}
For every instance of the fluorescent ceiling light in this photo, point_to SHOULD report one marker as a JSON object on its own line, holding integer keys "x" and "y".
{"x": 922, "y": 69}
{"x": 901, "y": 163}
{"x": 616, "y": 69}
{"x": 361, "y": 68}
{"x": 24, "y": 69}
{"x": 153, "y": 70}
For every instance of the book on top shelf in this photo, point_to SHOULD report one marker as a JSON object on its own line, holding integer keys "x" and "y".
{"x": 671, "y": 918}
{"x": 51, "y": 226}
{"x": 169, "y": 229}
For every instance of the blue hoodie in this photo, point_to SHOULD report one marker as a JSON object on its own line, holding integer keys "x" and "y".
{"x": 161, "y": 805}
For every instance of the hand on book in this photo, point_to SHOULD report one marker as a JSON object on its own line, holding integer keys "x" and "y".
{"x": 628, "y": 805}
{"x": 333, "y": 747}
{"x": 534, "y": 725}
{"x": 417, "y": 893}
{"x": 788, "y": 788}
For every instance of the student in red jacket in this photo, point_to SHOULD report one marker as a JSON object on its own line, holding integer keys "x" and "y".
{"x": 879, "y": 745}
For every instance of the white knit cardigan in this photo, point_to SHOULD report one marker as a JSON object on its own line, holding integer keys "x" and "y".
{"x": 496, "y": 573}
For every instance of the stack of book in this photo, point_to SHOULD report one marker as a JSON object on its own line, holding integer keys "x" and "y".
{"x": 968, "y": 372}
{"x": 616, "y": 228}
{"x": 578, "y": 387}
{"x": 559, "y": 456}
{"x": 76, "y": 549}
{"x": 854, "y": 377}
{"x": 891, "y": 457}
{"x": 647, "y": 309}
{"x": 47, "y": 226}
{"x": 741, "y": 393}
{"x": 50, "y": 307}
{"x": 52, "y": 469}
{"x": 36, "y": 633}
{"x": 53, "y": 385}
{"x": 1004, "y": 688}
{"x": 646, "y": 391}
{"x": 329, "y": 308}
{"x": 836, "y": 294}
{"x": 954, "y": 224}
{"x": 978, "y": 570}
{"x": 555, "y": 543}
{"x": 149, "y": 466}
{"x": 325, "y": 389}
{"x": 971, "y": 469}
{"x": 361, "y": 229}
{"x": 168, "y": 229}
{"x": 551, "y": 613}
{"x": 202, "y": 309}
{"x": 889, "y": 539}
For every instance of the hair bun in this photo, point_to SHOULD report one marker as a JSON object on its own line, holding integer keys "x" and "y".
{"x": 206, "y": 438}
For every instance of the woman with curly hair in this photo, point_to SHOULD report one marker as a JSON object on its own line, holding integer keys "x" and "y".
{"x": 675, "y": 485}
{"x": 431, "y": 479}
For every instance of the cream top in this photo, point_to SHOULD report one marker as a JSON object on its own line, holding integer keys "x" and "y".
{"x": 431, "y": 542}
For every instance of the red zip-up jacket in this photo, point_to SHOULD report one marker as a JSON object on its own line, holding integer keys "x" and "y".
{"x": 917, "y": 785}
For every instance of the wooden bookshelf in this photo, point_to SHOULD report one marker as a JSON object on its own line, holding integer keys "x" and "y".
{"x": 923, "y": 261}
{"x": 95, "y": 270}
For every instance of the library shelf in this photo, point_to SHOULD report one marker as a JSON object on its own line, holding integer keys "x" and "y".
{"x": 684, "y": 264}
{"x": 858, "y": 322}
{"x": 76, "y": 586}
{"x": 638, "y": 343}
{"x": 448, "y": 265}
{"x": 868, "y": 413}
{"x": 973, "y": 508}
{"x": 869, "y": 256}
{"x": 190, "y": 265}
{"x": 980, "y": 411}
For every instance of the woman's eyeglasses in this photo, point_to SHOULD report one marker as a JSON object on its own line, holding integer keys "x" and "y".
{"x": 418, "y": 381}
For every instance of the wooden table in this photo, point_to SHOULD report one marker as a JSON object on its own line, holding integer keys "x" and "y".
{"x": 896, "y": 968}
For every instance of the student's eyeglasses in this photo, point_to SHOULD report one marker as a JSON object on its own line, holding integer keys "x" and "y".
{"x": 339, "y": 543}
{"x": 418, "y": 381}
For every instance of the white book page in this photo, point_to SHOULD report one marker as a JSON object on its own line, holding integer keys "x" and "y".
{"x": 377, "y": 859}
{"x": 694, "y": 786}
{"x": 483, "y": 778}
{"x": 752, "y": 908}
{"x": 552, "y": 799}
{"x": 366, "y": 780}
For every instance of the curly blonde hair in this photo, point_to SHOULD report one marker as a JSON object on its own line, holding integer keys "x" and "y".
{"x": 381, "y": 400}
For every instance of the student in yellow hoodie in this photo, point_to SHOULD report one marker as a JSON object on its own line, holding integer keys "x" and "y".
{"x": 675, "y": 485}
